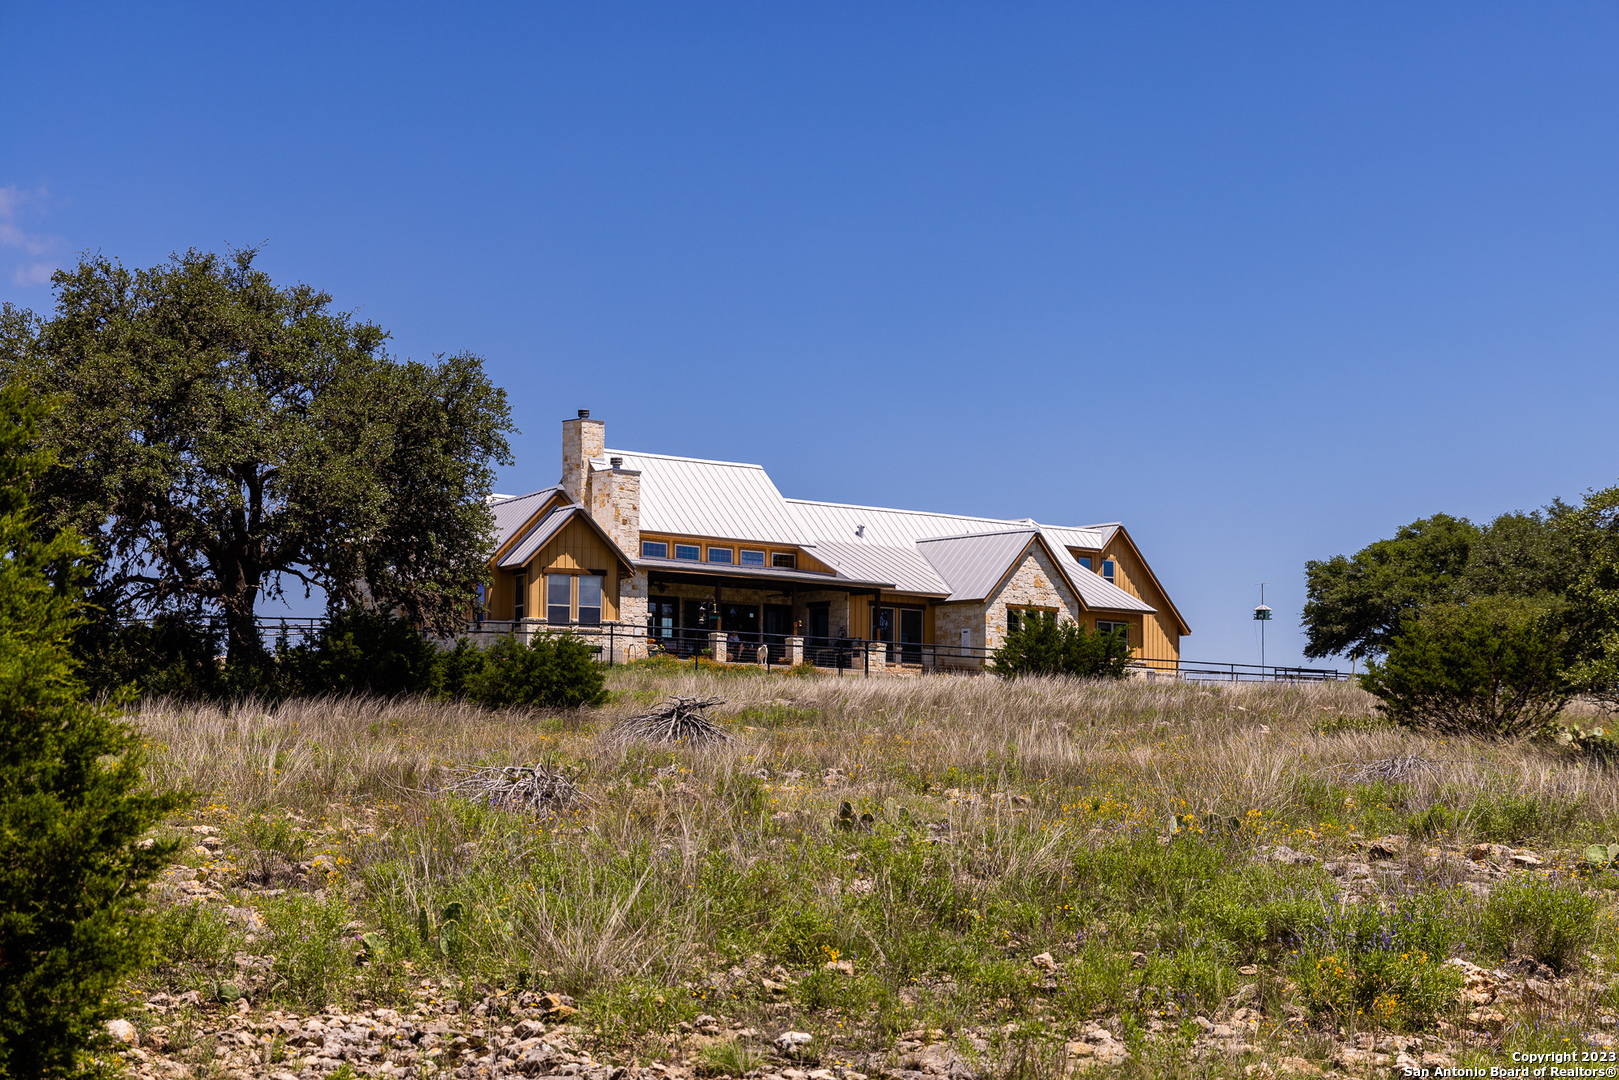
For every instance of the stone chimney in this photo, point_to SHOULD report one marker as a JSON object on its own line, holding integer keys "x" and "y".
{"x": 582, "y": 439}
{"x": 615, "y": 503}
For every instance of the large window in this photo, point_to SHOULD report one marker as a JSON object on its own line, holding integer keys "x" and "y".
{"x": 1120, "y": 628}
{"x": 520, "y": 595}
{"x": 590, "y": 600}
{"x": 559, "y": 598}
{"x": 654, "y": 549}
{"x": 720, "y": 555}
{"x": 690, "y": 552}
{"x": 752, "y": 558}
{"x": 1014, "y": 620}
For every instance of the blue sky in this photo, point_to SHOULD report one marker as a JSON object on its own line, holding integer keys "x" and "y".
{"x": 1263, "y": 281}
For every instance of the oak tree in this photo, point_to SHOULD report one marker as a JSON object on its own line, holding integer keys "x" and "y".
{"x": 219, "y": 439}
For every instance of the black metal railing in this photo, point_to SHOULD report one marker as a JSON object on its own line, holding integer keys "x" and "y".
{"x": 617, "y": 642}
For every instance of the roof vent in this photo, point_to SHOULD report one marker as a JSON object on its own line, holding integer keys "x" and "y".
{"x": 860, "y": 530}
{"x": 584, "y": 414}
{"x": 617, "y": 463}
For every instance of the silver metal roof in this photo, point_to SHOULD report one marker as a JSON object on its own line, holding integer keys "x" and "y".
{"x": 536, "y": 538}
{"x": 722, "y": 499}
{"x": 975, "y": 564}
{"x": 846, "y": 523}
{"x": 904, "y": 566}
{"x": 1094, "y": 590}
{"x": 511, "y": 512}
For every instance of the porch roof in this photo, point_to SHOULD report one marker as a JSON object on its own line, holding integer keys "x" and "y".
{"x": 762, "y": 575}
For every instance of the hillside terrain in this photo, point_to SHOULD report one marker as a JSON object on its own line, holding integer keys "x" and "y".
{"x": 900, "y": 877}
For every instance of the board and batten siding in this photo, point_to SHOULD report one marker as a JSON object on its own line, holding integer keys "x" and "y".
{"x": 1159, "y": 633}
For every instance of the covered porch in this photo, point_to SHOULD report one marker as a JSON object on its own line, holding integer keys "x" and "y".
{"x": 780, "y": 616}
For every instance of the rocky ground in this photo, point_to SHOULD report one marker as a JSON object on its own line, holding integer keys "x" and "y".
{"x": 451, "y": 1029}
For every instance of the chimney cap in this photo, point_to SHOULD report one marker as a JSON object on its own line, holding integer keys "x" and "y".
{"x": 617, "y": 462}
{"x": 584, "y": 414}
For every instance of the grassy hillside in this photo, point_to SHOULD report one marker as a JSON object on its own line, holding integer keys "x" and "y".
{"x": 1029, "y": 878}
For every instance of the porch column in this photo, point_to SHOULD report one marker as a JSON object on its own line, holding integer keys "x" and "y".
{"x": 877, "y": 657}
{"x": 795, "y": 651}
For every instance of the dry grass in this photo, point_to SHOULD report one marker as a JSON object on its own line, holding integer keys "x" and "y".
{"x": 1006, "y": 819}
{"x": 1171, "y": 748}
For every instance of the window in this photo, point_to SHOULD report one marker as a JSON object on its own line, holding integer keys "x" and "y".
{"x": 520, "y": 595}
{"x": 558, "y": 598}
{"x": 590, "y": 600}
{"x": 1014, "y": 620}
{"x": 784, "y": 560}
{"x": 1083, "y": 560}
{"x": 720, "y": 555}
{"x": 1107, "y": 570}
{"x": 1120, "y": 628}
{"x": 688, "y": 551}
{"x": 752, "y": 558}
{"x": 654, "y": 549}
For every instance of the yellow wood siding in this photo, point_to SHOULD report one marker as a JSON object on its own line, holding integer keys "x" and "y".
{"x": 576, "y": 549}
{"x": 1160, "y": 633}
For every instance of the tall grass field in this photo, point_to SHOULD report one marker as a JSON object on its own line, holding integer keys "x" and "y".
{"x": 919, "y": 875}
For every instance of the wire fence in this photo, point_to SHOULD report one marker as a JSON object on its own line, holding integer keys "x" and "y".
{"x": 617, "y": 643}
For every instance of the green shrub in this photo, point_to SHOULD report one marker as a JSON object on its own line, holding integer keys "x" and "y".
{"x": 1552, "y": 922}
{"x": 1514, "y": 819}
{"x": 1042, "y": 645}
{"x": 1472, "y": 671}
{"x": 312, "y": 958}
{"x": 458, "y": 670}
{"x": 71, "y": 798}
{"x": 193, "y": 933}
{"x": 1382, "y": 966}
{"x": 553, "y": 670}
{"x": 364, "y": 652}
{"x": 171, "y": 655}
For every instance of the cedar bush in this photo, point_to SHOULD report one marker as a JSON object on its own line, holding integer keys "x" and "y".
{"x": 1044, "y": 646}
{"x": 363, "y": 652}
{"x": 1482, "y": 670}
{"x": 171, "y": 656}
{"x": 555, "y": 670}
{"x": 72, "y": 801}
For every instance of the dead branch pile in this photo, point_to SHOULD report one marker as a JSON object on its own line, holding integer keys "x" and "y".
{"x": 679, "y": 720}
{"x": 533, "y": 788}
{"x": 1395, "y": 770}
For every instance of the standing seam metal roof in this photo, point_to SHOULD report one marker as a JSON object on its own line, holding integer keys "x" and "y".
{"x": 511, "y": 513}
{"x": 904, "y": 566}
{"x": 542, "y": 531}
{"x": 974, "y": 565}
{"x": 693, "y": 497}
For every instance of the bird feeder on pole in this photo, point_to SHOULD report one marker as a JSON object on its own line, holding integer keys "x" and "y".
{"x": 1262, "y": 615}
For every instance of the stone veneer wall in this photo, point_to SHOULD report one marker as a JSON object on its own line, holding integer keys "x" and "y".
{"x": 1035, "y": 583}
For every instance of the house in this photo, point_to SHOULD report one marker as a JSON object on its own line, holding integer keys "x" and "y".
{"x": 683, "y": 554}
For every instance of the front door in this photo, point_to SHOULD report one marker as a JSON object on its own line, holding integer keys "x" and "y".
{"x": 882, "y": 628}
{"x": 820, "y": 624}
{"x": 662, "y": 616}
{"x": 910, "y": 636}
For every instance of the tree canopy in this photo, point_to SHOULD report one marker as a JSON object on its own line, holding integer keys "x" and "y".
{"x": 218, "y": 437}
{"x": 1357, "y": 605}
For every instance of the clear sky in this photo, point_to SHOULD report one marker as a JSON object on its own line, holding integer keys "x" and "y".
{"x": 1263, "y": 281}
